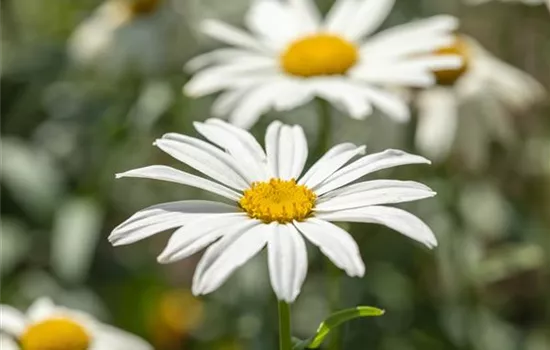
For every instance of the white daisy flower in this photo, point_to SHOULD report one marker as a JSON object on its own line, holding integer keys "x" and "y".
{"x": 494, "y": 88}
{"x": 272, "y": 203}
{"x": 122, "y": 35}
{"x": 46, "y": 326}
{"x": 291, "y": 55}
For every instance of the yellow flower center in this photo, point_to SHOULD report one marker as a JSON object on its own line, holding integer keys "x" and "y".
{"x": 448, "y": 77}
{"x": 278, "y": 200}
{"x": 319, "y": 54}
{"x": 143, "y": 7}
{"x": 55, "y": 334}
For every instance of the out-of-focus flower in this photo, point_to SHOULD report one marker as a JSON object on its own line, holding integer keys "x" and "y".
{"x": 272, "y": 205}
{"x": 495, "y": 89}
{"x": 46, "y": 326}
{"x": 292, "y": 55}
{"x": 124, "y": 35}
{"x": 176, "y": 314}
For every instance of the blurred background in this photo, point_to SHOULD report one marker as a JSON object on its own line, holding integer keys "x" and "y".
{"x": 86, "y": 86}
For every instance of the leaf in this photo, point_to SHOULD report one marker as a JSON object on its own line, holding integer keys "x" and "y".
{"x": 333, "y": 321}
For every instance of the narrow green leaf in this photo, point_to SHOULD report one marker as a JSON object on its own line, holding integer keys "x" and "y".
{"x": 337, "y": 318}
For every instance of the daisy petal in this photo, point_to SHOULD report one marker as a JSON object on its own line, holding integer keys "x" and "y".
{"x": 287, "y": 258}
{"x": 107, "y": 337}
{"x": 300, "y": 152}
{"x": 231, "y": 35}
{"x": 165, "y": 173}
{"x": 373, "y": 162}
{"x": 7, "y": 343}
{"x": 205, "y": 158}
{"x": 41, "y": 309}
{"x": 339, "y": 16}
{"x": 367, "y": 18}
{"x": 335, "y": 243}
{"x": 264, "y": 19}
{"x": 308, "y": 14}
{"x": 389, "y": 103}
{"x": 226, "y": 102}
{"x": 222, "y": 258}
{"x": 198, "y": 234}
{"x": 394, "y": 218}
{"x": 331, "y": 153}
{"x": 437, "y": 122}
{"x": 223, "y": 55}
{"x": 12, "y": 321}
{"x": 238, "y": 145}
{"x": 329, "y": 166}
{"x": 373, "y": 193}
{"x": 162, "y": 217}
{"x": 272, "y": 141}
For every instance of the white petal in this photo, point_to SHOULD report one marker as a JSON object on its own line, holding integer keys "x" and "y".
{"x": 287, "y": 258}
{"x": 329, "y": 165}
{"x": 222, "y": 258}
{"x": 390, "y": 73}
{"x": 308, "y": 13}
{"x": 340, "y": 15}
{"x": 205, "y": 158}
{"x": 257, "y": 102}
{"x": 7, "y": 343}
{"x": 368, "y": 164}
{"x": 265, "y": 17}
{"x": 162, "y": 217}
{"x": 373, "y": 193}
{"x": 240, "y": 73}
{"x": 300, "y": 152}
{"x": 335, "y": 243}
{"x": 396, "y": 219}
{"x": 40, "y": 309}
{"x": 294, "y": 93}
{"x": 343, "y": 94}
{"x": 240, "y": 144}
{"x": 226, "y": 102}
{"x": 165, "y": 173}
{"x": 12, "y": 321}
{"x": 223, "y": 55}
{"x": 437, "y": 122}
{"x": 331, "y": 153}
{"x": 232, "y": 35}
{"x": 198, "y": 234}
{"x": 272, "y": 140}
{"x": 390, "y": 103}
{"x": 367, "y": 17}
{"x": 108, "y": 337}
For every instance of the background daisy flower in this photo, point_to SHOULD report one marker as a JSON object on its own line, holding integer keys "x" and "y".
{"x": 46, "y": 326}
{"x": 289, "y": 55}
{"x": 272, "y": 203}
{"x": 483, "y": 81}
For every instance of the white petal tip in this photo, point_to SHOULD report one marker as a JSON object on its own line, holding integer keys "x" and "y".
{"x": 119, "y": 175}
{"x": 362, "y": 149}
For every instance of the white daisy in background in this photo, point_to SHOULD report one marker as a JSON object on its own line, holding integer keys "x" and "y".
{"x": 47, "y": 326}
{"x": 272, "y": 203}
{"x": 124, "y": 34}
{"x": 291, "y": 55}
{"x": 473, "y": 105}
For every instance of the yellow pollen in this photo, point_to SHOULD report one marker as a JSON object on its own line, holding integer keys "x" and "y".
{"x": 278, "y": 200}
{"x": 319, "y": 54}
{"x": 448, "y": 77}
{"x": 55, "y": 334}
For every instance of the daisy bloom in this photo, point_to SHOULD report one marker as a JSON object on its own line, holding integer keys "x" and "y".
{"x": 271, "y": 203}
{"x": 123, "y": 34}
{"x": 289, "y": 55}
{"x": 494, "y": 88}
{"x": 47, "y": 326}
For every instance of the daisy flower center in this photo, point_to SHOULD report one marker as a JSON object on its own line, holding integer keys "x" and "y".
{"x": 460, "y": 48}
{"x": 319, "y": 54}
{"x": 278, "y": 200}
{"x": 55, "y": 334}
{"x": 143, "y": 7}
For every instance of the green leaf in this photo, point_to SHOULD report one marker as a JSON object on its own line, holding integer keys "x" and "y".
{"x": 335, "y": 320}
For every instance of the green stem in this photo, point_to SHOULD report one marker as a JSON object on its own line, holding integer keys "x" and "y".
{"x": 324, "y": 127}
{"x": 285, "y": 337}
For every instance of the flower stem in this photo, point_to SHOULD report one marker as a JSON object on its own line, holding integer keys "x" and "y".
{"x": 285, "y": 338}
{"x": 324, "y": 127}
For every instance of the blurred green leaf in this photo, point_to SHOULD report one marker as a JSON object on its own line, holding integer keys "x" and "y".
{"x": 333, "y": 321}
